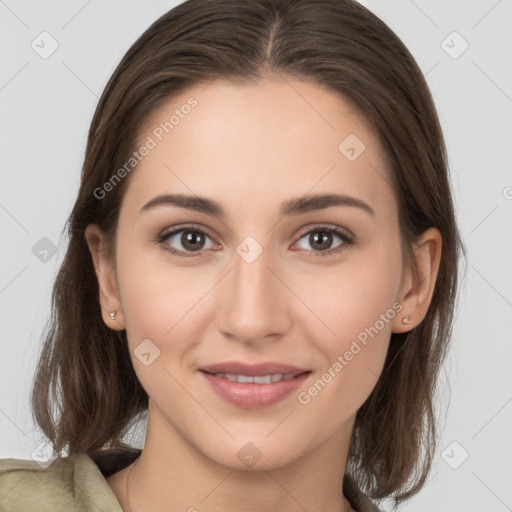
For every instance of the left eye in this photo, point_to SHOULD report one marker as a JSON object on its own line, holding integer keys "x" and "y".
{"x": 321, "y": 240}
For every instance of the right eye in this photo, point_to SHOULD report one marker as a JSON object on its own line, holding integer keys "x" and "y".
{"x": 188, "y": 239}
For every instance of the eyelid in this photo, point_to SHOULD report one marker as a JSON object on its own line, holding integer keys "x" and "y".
{"x": 325, "y": 225}
{"x": 303, "y": 231}
{"x": 348, "y": 238}
{"x": 167, "y": 232}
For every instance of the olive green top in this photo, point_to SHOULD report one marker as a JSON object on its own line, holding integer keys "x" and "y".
{"x": 76, "y": 483}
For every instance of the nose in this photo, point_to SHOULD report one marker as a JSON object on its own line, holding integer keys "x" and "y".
{"x": 253, "y": 302}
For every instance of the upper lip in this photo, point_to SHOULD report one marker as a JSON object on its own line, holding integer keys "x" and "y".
{"x": 253, "y": 370}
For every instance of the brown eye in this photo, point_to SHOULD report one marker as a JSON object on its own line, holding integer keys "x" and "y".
{"x": 186, "y": 240}
{"x": 192, "y": 240}
{"x": 321, "y": 241}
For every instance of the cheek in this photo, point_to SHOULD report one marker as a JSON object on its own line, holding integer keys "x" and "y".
{"x": 161, "y": 301}
{"x": 351, "y": 298}
{"x": 358, "y": 305}
{"x": 352, "y": 358}
{"x": 160, "y": 305}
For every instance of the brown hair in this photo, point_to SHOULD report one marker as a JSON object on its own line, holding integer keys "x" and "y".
{"x": 85, "y": 392}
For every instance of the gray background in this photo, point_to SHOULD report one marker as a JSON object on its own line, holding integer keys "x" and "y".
{"x": 46, "y": 107}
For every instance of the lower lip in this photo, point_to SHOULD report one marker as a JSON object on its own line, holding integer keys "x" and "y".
{"x": 251, "y": 395}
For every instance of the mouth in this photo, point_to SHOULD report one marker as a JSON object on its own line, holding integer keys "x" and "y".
{"x": 261, "y": 379}
{"x": 253, "y": 386}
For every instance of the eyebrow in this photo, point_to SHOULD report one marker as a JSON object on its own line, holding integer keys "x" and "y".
{"x": 294, "y": 206}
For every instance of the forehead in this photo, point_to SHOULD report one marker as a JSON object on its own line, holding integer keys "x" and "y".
{"x": 260, "y": 142}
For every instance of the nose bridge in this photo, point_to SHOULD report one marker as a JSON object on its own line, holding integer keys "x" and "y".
{"x": 252, "y": 301}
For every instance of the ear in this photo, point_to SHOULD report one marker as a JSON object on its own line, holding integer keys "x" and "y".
{"x": 105, "y": 272}
{"x": 419, "y": 282}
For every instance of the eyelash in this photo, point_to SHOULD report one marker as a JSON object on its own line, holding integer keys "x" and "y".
{"x": 348, "y": 240}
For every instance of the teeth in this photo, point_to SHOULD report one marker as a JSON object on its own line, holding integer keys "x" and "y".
{"x": 263, "y": 379}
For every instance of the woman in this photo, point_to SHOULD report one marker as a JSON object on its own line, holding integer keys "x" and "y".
{"x": 263, "y": 257}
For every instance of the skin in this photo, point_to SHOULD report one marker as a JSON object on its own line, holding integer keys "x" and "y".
{"x": 250, "y": 148}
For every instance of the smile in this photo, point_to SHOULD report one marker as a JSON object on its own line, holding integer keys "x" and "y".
{"x": 263, "y": 379}
{"x": 254, "y": 391}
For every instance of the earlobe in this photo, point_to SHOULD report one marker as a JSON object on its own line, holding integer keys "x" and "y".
{"x": 418, "y": 289}
{"x": 105, "y": 273}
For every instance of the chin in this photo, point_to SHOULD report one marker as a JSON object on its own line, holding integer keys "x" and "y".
{"x": 255, "y": 453}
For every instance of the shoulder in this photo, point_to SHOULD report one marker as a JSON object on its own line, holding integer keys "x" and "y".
{"x": 65, "y": 485}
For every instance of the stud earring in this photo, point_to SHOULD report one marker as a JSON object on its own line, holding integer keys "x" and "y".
{"x": 406, "y": 319}
{"x": 113, "y": 315}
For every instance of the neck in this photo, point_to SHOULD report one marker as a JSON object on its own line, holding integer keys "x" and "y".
{"x": 175, "y": 476}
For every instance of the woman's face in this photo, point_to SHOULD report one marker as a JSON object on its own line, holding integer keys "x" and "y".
{"x": 249, "y": 285}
